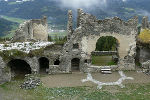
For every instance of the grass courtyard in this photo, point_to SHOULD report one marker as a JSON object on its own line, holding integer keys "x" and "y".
{"x": 103, "y": 60}
{"x": 140, "y": 90}
{"x": 11, "y": 91}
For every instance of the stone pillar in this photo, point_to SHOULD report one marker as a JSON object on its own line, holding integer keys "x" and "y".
{"x": 30, "y": 30}
{"x": 145, "y": 23}
{"x": 70, "y": 24}
{"x": 80, "y": 11}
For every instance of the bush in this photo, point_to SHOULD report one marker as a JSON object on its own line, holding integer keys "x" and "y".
{"x": 144, "y": 36}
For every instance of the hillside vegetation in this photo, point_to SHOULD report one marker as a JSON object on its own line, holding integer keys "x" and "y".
{"x": 6, "y": 27}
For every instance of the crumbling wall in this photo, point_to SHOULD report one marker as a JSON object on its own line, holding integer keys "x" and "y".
{"x": 5, "y": 74}
{"x": 144, "y": 48}
{"x": 90, "y": 29}
{"x": 36, "y": 29}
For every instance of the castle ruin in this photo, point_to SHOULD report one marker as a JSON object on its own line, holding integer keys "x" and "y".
{"x": 75, "y": 54}
{"x": 35, "y": 29}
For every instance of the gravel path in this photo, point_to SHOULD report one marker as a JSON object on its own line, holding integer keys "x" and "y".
{"x": 72, "y": 80}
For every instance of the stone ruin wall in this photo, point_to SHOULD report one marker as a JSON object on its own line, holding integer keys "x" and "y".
{"x": 143, "y": 52}
{"x": 89, "y": 30}
{"x": 35, "y": 29}
{"x": 52, "y": 54}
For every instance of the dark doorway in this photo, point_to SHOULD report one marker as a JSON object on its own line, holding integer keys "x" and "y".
{"x": 44, "y": 64}
{"x": 19, "y": 68}
{"x": 75, "y": 63}
{"x": 57, "y": 62}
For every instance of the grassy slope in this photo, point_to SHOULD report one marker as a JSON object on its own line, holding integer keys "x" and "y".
{"x": 14, "y": 26}
{"x": 130, "y": 92}
{"x": 12, "y": 19}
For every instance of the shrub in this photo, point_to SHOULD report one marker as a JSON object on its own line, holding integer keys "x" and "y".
{"x": 144, "y": 36}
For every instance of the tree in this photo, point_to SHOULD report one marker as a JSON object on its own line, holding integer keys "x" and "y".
{"x": 107, "y": 43}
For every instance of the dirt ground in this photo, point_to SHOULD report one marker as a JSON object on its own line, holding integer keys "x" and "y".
{"x": 74, "y": 79}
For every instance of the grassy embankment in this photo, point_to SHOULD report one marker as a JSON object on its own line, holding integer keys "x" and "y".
{"x": 130, "y": 92}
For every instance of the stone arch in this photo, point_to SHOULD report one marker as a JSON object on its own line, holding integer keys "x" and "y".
{"x": 89, "y": 43}
{"x": 43, "y": 64}
{"x": 19, "y": 68}
{"x": 105, "y": 52}
{"x": 104, "y": 40}
{"x": 126, "y": 48}
{"x": 75, "y": 64}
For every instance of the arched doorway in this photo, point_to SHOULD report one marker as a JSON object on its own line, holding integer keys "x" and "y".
{"x": 106, "y": 51}
{"x": 19, "y": 68}
{"x": 43, "y": 64}
{"x": 75, "y": 63}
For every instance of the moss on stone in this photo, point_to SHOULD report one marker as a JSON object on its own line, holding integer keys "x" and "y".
{"x": 38, "y": 52}
{"x": 6, "y": 69}
{"x": 9, "y": 54}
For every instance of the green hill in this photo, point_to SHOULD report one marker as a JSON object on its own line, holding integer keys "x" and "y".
{"x": 6, "y": 27}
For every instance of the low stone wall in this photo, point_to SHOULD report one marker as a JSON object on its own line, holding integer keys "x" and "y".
{"x": 55, "y": 69}
{"x": 100, "y": 53}
{"x": 94, "y": 69}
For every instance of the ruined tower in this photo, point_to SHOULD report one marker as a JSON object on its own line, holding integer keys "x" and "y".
{"x": 35, "y": 29}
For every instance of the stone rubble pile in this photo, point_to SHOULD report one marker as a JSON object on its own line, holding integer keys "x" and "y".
{"x": 31, "y": 82}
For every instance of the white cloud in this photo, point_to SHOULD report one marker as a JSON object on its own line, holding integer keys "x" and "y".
{"x": 81, "y": 3}
{"x": 17, "y": 0}
{"x": 124, "y": 0}
{"x": 144, "y": 13}
{"x": 84, "y": 3}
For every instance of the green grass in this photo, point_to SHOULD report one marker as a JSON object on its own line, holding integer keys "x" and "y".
{"x": 102, "y": 60}
{"x": 14, "y": 27}
{"x": 130, "y": 92}
{"x": 12, "y": 32}
{"x": 13, "y": 19}
{"x": 58, "y": 34}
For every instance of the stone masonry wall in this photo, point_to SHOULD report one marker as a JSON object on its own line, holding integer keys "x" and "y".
{"x": 36, "y": 29}
{"x": 90, "y": 29}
